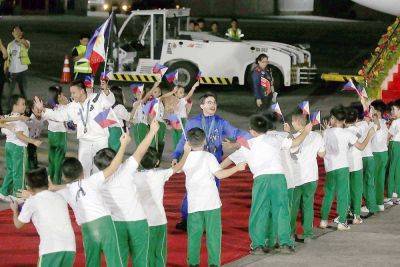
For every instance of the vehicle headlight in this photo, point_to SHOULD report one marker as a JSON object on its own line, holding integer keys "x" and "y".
{"x": 125, "y": 7}
{"x": 106, "y": 6}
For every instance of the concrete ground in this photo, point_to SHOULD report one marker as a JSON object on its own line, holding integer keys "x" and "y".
{"x": 373, "y": 243}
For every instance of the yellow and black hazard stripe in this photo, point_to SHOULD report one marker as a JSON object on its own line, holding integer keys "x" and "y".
{"x": 336, "y": 77}
{"x": 215, "y": 80}
{"x": 143, "y": 78}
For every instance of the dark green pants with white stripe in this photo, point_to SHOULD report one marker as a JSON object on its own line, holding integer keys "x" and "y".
{"x": 157, "y": 246}
{"x": 133, "y": 239}
{"x": 394, "y": 169}
{"x": 198, "y": 222}
{"x": 381, "y": 160}
{"x": 101, "y": 236}
{"x": 57, "y": 150}
{"x": 57, "y": 259}
{"x": 356, "y": 191}
{"x": 369, "y": 191}
{"x": 16, "y": 162}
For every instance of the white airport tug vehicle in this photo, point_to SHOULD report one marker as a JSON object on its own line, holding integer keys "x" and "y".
{"x": 161, "y": 36}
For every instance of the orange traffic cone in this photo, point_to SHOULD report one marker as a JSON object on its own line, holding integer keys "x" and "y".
{"x": 66, "y": 72}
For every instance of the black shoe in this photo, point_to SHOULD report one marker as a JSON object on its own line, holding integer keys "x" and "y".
{"x": 194, "y": 265}
{"x": 287, "y": 250}
{"x": 298, "y": 239}
{"x": 369, "y": 214}
{"x": 182, "y": 225}
{"x": 267, "y": 250}
{"x": 257, "y": 251}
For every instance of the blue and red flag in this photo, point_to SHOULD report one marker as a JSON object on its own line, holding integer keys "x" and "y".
{"x": 151, "y": 107}
{"x": 159, "y": 69}
{"x": 349, "y": 86}
{"x": 95, "y": 51}
{"x": 137, "y": 88}
{"x": 315, "y": 118}
{"x": 198, "y": 77}
{"x": 172, "y": 76}
{"x": 88, "y": 82}
{"x": 305, "y": 107}
{"x": 242, "y": 141}
{"x": 174, "y": 121}
{"x": 104, "y": 76}
{"x": 104, "y": 119}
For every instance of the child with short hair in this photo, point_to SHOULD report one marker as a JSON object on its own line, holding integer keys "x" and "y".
{"x": 380, "y": 151}
{"x": 15, "y": 149}
{"x": 337, "y": 144}
{"x": 48, "y": 211}
{"x": 139, "y": 121}
{"x": 204, "y": 203}
{"x": 306, "y": 180}
{"x": 84, "y": 196}
{"x": 394, "y": 157}
{"x": 270, "y": 204}
{"x": 122, "y": 199}
{"x": 35, "y": 126}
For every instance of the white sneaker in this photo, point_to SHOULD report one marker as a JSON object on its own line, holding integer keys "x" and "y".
{"x": 323, "y": 224}
{"x": 396, "y": 201}
{"x": 357, "y": 220}
{"x": 388, "y": 201}
{"x": 336, "y": 220}
{"x": 343, "y": 227}
{"x": 394, "y": 195}
{"x": 5, "y": 198}
{"x": 364, "y": 209}
{"x": 381, "y": 207}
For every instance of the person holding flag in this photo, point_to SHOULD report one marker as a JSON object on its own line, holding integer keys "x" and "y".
{"x": 82, "y": 111}
{"x": 262, "y": 82}
{"x": 139, "y": 122}
{"x": 217, "y": 129}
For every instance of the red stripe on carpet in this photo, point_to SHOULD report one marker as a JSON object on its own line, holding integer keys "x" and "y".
{"x": 20, "y": 247}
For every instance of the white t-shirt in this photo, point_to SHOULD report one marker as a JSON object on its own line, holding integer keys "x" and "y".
{"x": 35, "y": 126}
{"x": 122, "y": 115}
{"x": 150, "y": 189}
{"x": 180, "y": 109}
{"x": 84, "y": 113}
{"x": 48, "y": 211}
{"x": 120, "y": 194}
{"x": 11, "y": 137}
{"x": 394, "y": 130}
{"x": 88, "y": 205}
{"x": 56, "y": 126}
{"x": 364, "y": 127}
{"x": 380, "y": 139}
{"x": 140, "y": 116}
{"x": 337, "y": 145}
{"x": 355, "y": 155}
{"x": 306, "y": 158}
{"x": 202, "y": 192}
{"x": 15, "y": 61}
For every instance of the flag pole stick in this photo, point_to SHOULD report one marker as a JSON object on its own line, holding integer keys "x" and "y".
{"x": 108, "y": 41}
{"x": 116, "y": 118}
{"x": 182, "y": 127}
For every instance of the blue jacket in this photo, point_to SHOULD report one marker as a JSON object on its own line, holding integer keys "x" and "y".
{"x": 259, "y": 91}
{"x": 222, "y": 129}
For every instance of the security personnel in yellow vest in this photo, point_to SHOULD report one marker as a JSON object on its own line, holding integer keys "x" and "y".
{"x": 18, "y": 60}
{"x": 81, "y": 64}
{"x": 234, "y": 33}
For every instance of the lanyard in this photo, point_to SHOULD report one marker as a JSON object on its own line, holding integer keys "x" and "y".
{"x": 84, "y": 121}
{"x": 209, "y": 130}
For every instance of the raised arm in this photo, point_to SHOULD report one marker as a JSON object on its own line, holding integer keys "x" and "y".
{"x": 191, "y": 92}
{"x": 144, "y": 145}
{"x": 221, "y": 174}
{"x": 363, "y": 144}
{"x": 173, "y": 91}
{"x": 60, "y": 115}
{"x": 180, "y": 164}
{"x": 116, "y": 162}
{"x": 149, "y": 93}
{"x": 299, "y": 139}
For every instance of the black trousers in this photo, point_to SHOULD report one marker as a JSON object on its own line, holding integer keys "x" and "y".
{"x": 32, "y": 157}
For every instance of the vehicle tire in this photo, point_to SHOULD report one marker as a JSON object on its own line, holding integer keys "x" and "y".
{"x": 187, "y": 73}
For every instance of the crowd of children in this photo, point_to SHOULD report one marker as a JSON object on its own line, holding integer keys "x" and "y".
{"x": 119, "y": 204}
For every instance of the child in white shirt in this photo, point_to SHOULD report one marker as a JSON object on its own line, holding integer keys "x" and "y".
{"x": 270, "y": 204}
{"x": 337, "y": 144}
{"x": 35, "y": 126}
{"x": 394, "y": 157}
{"x": 204, "y": 204}
{"x": 48, "y": 211}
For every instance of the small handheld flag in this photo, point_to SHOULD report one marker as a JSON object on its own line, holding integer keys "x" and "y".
{"x": 104, "y": 76}
{"x": 275, "y": 108}
{"x": 103, "y": 119}
{"x": 242, "y": 141}
{"x": 316, "y": 118}
{"x": 305, "y": 107}
{"x": 361, "y": 91}
{"x": 172, "y": 76}
{"x": 88, "y": 82}
{"x": 151, "y": 107}
{"x": 266, "y": 85}
{"x": 174, "y": 121}
{"x": 137, "y": 88}
{"x": 159, "y": 69}
{"x": 198, "y": 77}
{"x": 349, "y": 86}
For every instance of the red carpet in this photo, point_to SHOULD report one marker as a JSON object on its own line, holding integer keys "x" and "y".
{"x": 20, "y": 247}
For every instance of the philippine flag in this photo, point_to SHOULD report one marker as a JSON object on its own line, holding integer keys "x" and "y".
{"x": 242, "y": 141}
{"x": 172, "y": 76}
{"x": 198, "y": 77}
{"x": 305, "y": 107}
{"x": 137, "y": 88}
{"x": 361, "y": 91}
{"x": 104, "y": 120}
{"x": 95, "y": 51}
{"x": 88, "y": 82}
{"x": 349, "y": 86}
{"x": 266, "y": 85}
{"x": 316, "y": 118}
{"x": 174, "y": 121}
{"x": 275, "y": 108}
{"x": 159, "y": 69}
{"x": 151, "y": 107}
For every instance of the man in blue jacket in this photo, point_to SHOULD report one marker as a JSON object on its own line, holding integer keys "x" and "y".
{"x": 216, "y": 129}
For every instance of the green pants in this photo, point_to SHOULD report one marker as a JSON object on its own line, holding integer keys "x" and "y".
{"x": 381, "y": 160}
{"x": 157, "y": 246}
{"x": 210, "y": 221}
{"x": 100, "y": 236}
{"x": 369, "y": 191}
{"x": 113, "y": 138}
{"x": 139, "y": 132}
{"x": 158, "y": 141}
{"x": 177, "y": 134}
{"x": 336, "y": 183}
{"x": 16, "y": 161}
{"x": 394, "y": 169}
{"x": 269, "y": 213}
{"x": 57, "y": 150}
{"x": 133, "y": 239}
{"x": 57, "y": 259}
{"x": 304, "y": 194}
{"x": 356, "y": 191}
